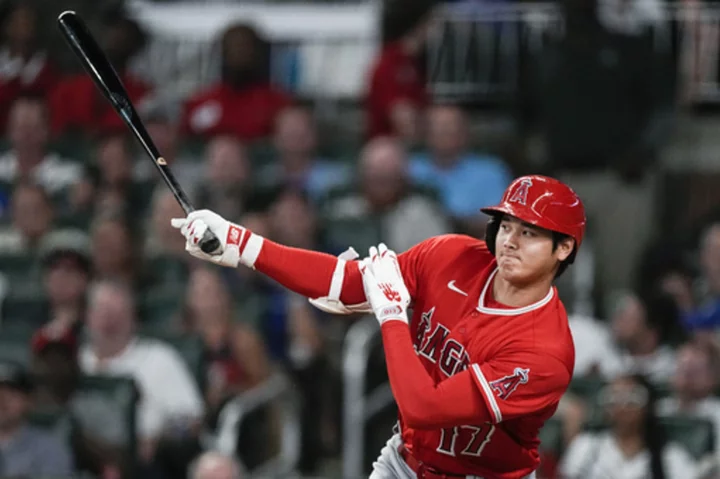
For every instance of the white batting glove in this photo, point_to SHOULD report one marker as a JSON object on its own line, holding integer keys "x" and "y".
{"x": 385, "y": 289}
{"x": 239, "y": 245}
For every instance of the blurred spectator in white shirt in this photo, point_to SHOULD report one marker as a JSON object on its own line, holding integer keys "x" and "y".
{"x": 694, "y": 384}
{"x": 634, "y": 447}
{"x": 169, "y": 398}
{"x": 643, "y": 327}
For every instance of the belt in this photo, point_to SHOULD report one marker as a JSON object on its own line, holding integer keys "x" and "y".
{"x": 421, "y": 470}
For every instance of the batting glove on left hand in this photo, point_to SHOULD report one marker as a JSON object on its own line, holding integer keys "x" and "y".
{"x": 385, "y": 289}
{"x": 239, "y": 245}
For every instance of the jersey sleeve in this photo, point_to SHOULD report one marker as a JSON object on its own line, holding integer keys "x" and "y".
{"x": 520, "y": 384}
{"x": 412, "y": 264}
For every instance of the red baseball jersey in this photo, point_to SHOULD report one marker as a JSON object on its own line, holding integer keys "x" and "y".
{"x": 77, "y": 103}
{"x": 521, "y": 359}
{"x": 248, "y": 113}
{"x": 395, "y": 77}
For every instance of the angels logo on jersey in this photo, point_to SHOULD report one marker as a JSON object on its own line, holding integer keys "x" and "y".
{"x": 505, "y": 386}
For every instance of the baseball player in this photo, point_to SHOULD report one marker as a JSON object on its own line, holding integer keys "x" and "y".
{"x": 487, "y": 353}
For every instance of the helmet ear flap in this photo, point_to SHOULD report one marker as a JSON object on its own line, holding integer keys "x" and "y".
{"x": 491, "y": 231}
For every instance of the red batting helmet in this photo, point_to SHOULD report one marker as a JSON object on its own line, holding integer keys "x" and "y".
{"x": 544, "y": 202}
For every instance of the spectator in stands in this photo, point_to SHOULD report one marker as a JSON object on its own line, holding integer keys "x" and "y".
{"x": 28, "y": 158}
{"x": 396, "y": 92}
{"x": 293, "y": 330}
{"x": 57, "y": 377}
{"x": 710, "y": 263}
{"x": 466, "y": 181}
{"x": 237, "y": 359}
{"x": 113, "y": 251}
{"x": 595, "y": 353}
{"x": 32, "y": 218}
{"x": 26, "y": 450}
{"x": 226, "y": 186}
{"x": 297, "y": 163}
{"x": 214, "y": 465}
{"x": 76, "y": 105}
{"x": 705, "y": 318}
{"x": 115, "y": 188}
{"x": 665, "y": 266}
{"x": 170, "y": 406}
{"x": 162, "y": 121}
{"x": 161, "y": 238}
{"x": 384, "y": 191}
{"x": 603, "y": 118}
{"x": 634, "y": 446}
{"x": 643, "y": 327}
{"x": 694, "y": 384}
{"x": 24, "y": 66}
{"x": 54, "y": 367}
{"x": 65, "y": 256}
{"x": 243, "y": 103}
{"x": 236, "y": 356}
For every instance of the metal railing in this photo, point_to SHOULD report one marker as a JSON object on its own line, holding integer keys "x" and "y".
{"x": 359, "y": 407}
{"x": 476, "y": 50}
{"x": 277, "y": 388}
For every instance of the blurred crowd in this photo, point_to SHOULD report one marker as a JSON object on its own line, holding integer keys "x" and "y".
{"x": 119, "y": 353}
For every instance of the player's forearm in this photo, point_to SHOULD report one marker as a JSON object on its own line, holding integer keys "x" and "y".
{"x": 308, "y": 273}
{"x": 424, "y": 404}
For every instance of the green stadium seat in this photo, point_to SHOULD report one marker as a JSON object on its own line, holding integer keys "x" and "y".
{"x": 160, "y": 310}
{"x": 15, "y": 344}
{"x": 358, "y": 233}
{"x": 588, "y": 390}
{"x": 165, "y": 271}
{"x": 102, "y": 404}
{"x": 26, "y": 311}
{"x": 696, "y": 435}
{"x": 551, "y": 436}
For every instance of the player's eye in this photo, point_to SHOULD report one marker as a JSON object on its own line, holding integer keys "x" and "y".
{"x": 504, "y": 226}
{"x": 529, "y": 233}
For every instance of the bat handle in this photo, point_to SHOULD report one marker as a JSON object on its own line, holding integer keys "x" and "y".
{"x": 210, "y": 244}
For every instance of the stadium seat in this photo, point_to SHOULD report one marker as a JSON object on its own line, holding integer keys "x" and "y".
{"x": 15, "y": 346}
{"x": 24, "y": 312}
{"x": 166, "y": 271}
{"x": 358, "y": 233}
{"x": 588, "y": 390}
{"x": 696, "y": 435}
{"x": 103, "y": 403}
{"x": 551, "y": 436}
{"x": 159, "y": 309}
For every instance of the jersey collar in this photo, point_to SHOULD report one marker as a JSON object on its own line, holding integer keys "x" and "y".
{"x": 510, "y": 311}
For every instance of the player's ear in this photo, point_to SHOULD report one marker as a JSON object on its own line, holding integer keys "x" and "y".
{"x": 564, "y": 248}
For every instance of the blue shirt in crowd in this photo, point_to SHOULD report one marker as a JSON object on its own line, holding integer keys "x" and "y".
{"x": 474, "y": 182}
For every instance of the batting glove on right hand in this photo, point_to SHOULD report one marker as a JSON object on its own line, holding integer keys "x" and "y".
{"x": 238, "y": 244}
{"x": 385, "y": 289}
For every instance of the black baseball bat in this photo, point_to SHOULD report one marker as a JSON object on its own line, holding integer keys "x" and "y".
{"x": 107, "y": 80}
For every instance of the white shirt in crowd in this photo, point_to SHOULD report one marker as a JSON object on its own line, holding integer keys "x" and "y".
{"x": 658, "y": 366}
{"x": 597, "y": 456}
{"x": 168, "y": 392}
{"x": 595, "y": 350}
{"x": 53, "y": 173}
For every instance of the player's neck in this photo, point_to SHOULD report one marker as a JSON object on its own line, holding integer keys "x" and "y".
{"x": 518, "y": 296}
